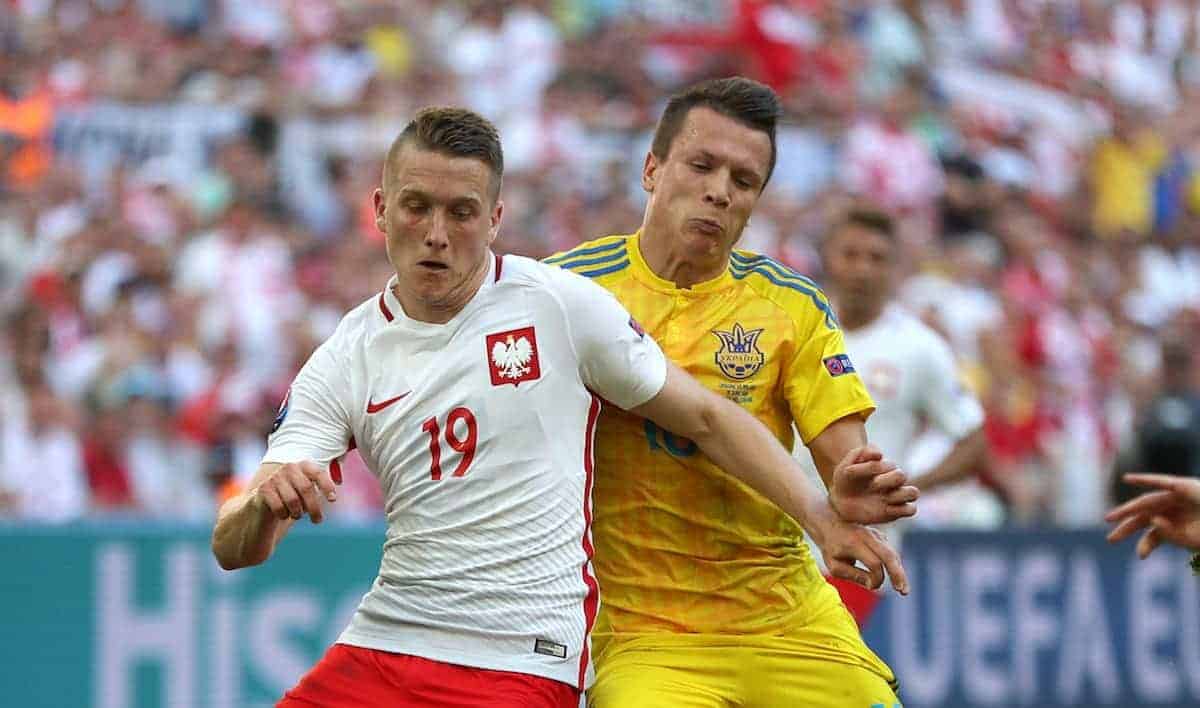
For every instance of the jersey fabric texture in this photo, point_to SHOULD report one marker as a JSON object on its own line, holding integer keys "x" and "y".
{"x": 685, "y": 552}
{"x": 480, "y": 431}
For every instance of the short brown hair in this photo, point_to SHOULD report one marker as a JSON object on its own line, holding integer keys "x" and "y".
{"x": 747, "y": 101}
{"x": 456, "y": 132}
{"x": 871, "y": 220}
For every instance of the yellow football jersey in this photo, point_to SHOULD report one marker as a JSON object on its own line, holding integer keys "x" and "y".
{"x": 681, "y": 546}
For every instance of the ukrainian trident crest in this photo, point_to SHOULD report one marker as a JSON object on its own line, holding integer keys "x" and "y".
{"x": 739, "y": 356}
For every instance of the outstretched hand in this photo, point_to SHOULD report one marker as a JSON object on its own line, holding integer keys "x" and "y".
{"x": 868, "y": 489}
{"x": 1171, "y": 514}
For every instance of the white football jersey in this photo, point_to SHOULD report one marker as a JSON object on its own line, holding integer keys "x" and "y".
{"x": 910, "y": 372}
{"x": 480, "y": 431}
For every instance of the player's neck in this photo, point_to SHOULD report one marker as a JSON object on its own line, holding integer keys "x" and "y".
{"x": 667, "y": 260}
{"x": 853, "y": 313}
{"x": 443, "y": 309}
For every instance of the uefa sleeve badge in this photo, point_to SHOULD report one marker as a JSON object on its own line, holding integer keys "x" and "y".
{"x": 838, "y": 364}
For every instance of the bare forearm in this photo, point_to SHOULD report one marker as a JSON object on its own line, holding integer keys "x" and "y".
{"x": 250, "y": 525}
{"x": 866, "y": 490}
{"x": 733, "y": 440}
{"x": 834, "y": 442}
{"x": 958, "y": 464}
{"x": 246, "y": 533}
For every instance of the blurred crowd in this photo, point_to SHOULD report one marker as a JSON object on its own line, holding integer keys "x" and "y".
{"x": 185, "y": 207}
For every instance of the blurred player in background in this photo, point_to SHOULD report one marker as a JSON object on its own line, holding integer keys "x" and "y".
{"x": 1166, "y": 438}
{"x": 471, "y": 386}
{"x": 711, "y": 597}
{"x": 911, "y": 374}
{"x": 1166, "y": 450}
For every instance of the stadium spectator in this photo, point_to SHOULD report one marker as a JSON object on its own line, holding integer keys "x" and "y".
{"x": 43, "y": 477}
{"x": 1167, "y": 438}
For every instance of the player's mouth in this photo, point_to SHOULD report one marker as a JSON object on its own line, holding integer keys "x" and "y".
{"x": 710, "y": 227}
{"x": 433, "y": 265}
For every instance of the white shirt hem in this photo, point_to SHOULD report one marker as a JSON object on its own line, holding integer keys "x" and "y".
{"x": 566, "y": 672}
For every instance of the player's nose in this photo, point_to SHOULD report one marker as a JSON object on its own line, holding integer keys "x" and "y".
{"x": 716, "y": 190}
{"x": 438, "y": 234}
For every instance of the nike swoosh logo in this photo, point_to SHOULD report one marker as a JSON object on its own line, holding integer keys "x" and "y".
{"x": 376, "y": 407}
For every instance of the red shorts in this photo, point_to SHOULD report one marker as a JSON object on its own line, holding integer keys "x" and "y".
{"x": 860, "y": 601}
{"x": 350, "y": 677}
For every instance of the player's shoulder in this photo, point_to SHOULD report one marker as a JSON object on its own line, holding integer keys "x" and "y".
{"x": 362, "y": 321}
{"x": 343, "y": 349}
{"x": 558, "y": 283}
{"x": 909, "y": 330}
{"x": 788, "y": 289}
{"x": 600, "y": 258}
{"x": 548, "y": 288}
{"x": 523, "y": 272}
{"x": 910, "y": 340}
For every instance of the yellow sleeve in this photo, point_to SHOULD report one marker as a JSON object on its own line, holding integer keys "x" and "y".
{"x": 820, "y": 382}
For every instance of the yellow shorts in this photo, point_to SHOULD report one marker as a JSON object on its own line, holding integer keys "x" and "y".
{"x": 824, "y": 664}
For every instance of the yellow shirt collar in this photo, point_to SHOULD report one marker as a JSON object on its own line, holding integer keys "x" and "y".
{"x": 643, "y": 273}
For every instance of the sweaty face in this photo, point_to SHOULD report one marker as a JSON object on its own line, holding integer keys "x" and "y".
{"x": 859, "y": 263}
{"x": 703, "y": 191}
{"x": 440, "y": 219}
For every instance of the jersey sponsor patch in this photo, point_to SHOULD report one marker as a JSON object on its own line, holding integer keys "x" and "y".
{"x": 513, "y": 356}
{"x": 283, "y": 410}
{"x": 739, "y": 356}
{"x": 838, "y": 364}
{"x": 549, "y": 648}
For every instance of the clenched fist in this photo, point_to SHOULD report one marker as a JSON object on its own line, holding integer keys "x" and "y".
{"x": 295, "y": 489}
{"x": 868, "y": 489}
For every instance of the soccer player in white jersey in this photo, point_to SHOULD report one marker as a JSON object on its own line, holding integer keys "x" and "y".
{"x": 909, "y": 371}
{"x": 471, "y": 386}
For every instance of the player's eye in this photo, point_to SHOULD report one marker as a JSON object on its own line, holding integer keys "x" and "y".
{"x": 416, "y": 207}
{"x": 700, "y": 166}
{"x": 463, "y": 214}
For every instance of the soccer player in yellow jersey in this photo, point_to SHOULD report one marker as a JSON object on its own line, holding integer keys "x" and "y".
{"x": 710, "y": 597}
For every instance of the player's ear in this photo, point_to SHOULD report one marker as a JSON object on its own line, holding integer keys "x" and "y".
{"x": 649, "y": 172}
{"x": 496, "y": 217}
{"x": 380, "y": 207}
